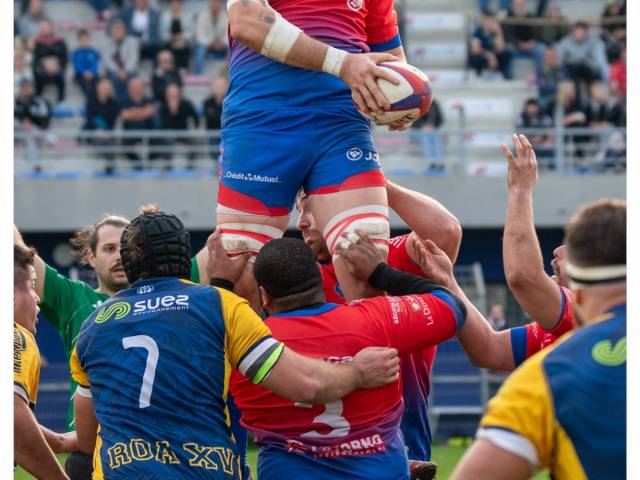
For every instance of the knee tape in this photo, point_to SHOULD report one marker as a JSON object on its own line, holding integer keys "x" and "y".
{"x": 239, "y": 238}
{"x": 373, "y": 219}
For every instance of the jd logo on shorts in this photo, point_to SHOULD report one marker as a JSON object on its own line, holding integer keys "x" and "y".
{"x": 610, "y": 357}
{"x": 118, "y": 310}
{"x": 354, "y": 154}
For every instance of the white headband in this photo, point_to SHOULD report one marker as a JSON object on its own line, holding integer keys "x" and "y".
{"x": 590, "y": 276}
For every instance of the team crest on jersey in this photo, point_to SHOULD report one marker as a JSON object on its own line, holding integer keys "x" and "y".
{"x": 145, "y": 289}
{"x": 355, "y": 5}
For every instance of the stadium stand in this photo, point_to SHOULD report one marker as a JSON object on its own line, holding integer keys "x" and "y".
{"x": 478, "y": 112}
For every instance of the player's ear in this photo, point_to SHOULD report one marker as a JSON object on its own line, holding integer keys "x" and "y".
{"x": 265, "y": 299}
{"x": 91, "y": 258}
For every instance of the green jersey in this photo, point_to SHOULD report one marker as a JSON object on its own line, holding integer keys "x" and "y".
{"x": 67, "y": 304}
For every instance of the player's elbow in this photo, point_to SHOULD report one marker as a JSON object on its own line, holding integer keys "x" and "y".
{"x": 452, "y": 231}
{"x": 518, "y": 280}
{"x": 309, "y": 391}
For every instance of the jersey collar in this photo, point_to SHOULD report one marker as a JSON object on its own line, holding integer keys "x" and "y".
{"x": 308, "y": 311}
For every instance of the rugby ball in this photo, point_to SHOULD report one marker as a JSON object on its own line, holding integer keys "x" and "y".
{"x": 409, "y": 100}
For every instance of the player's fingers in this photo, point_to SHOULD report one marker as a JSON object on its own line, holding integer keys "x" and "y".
{"x": 432, "y": 247}
{"x": 382, "y": 101}
{"x": 386, "y": 74}
{"x": 506, "y": 151}
{"x": 384, "y": 57}
{"x": 517, "y": 145}
{"x": 364, "y": 238}
{"x": 359, "y": 101}
{"x": 525, "y": 141}
{"x": 370, "y": 101}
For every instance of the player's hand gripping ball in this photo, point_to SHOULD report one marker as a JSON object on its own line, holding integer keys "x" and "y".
{"x": 410, "y": 99}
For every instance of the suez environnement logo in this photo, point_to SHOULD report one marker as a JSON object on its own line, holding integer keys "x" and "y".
{"x": 165, "y": 303}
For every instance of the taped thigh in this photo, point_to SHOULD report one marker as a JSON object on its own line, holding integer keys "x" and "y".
{"x": 373, "y": 219}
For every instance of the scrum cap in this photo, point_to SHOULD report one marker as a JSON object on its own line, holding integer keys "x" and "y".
{"x": 156, "y": 245}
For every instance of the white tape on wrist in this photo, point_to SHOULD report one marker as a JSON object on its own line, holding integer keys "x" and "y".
{"x": 333, "y": 61}
{"x": 280, "y": 39}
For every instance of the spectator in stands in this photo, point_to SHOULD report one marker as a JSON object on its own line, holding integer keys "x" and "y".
{"x": 50, "y": 59}
{"x": 615, "y": 156}
{"x": 556, "y": 27}
{"x": 614, "y": 40}
{"x": 426, "y": 132}
{"x": 603, "y": 111}
{"x": 143, "y": 22}
{"x": 21, "y": 67}
{"x": 102, "y": 8}
{"x": 570, "y": 112}
{"x": 164, "y": 74}
{"x": 496, "y": 317}
{"x": 86, "y": 63}
{"x": 532, "y": 116}
{"x": 485, "y": 5}
{"x": 211, "y": 34}
{"x": 520, "y": 35}
{"x": 611, "y": 16}
{"x": 582, "y": 55}
{"x": 548, "y": 78}
{"x": 618, "y": 74}
{"x": 30, "y": 21}
{"x": 138, "y": 113}
{"x": 178, "y": 113}
{"x": 31, "y": 114}
{"x": 121, "y": 57}
{"x": 488, "y": 49}
{"x": 102, "y": 114}
{"x": 176, "y": 34}
{"x": 212, "y": 108}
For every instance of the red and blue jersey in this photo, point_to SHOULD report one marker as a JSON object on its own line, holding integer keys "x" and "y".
{"x": 416, "y": 367}
{"x": 361, "y": 430}
{"x": 532, "y": 337}
{"x": 257, "y": 83}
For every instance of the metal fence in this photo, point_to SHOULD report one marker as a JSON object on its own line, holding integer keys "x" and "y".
{"x": 454, "y": 150}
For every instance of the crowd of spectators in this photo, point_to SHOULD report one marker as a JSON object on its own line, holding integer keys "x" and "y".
{"x": 117, "y": 95}
{"x": 579, "y": 70}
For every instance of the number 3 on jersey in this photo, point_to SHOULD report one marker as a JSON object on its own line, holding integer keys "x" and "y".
{"x": 331, "y": 416}
{"x": 149, "y": 344}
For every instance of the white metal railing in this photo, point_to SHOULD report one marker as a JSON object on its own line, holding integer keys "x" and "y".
{"x": 461, "y": 150}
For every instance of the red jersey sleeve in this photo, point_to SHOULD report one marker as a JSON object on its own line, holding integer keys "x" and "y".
{"x": 399, "y": 257}
{"x": 415, "y": 322}
{"x": 531, "y": 338}
{"x": 382, "y": 26}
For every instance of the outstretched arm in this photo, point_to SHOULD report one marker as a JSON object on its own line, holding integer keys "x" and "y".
{"x": 535, "y": 291}
{"x": 259, "y": 27}
{"x": 427, "y": 217}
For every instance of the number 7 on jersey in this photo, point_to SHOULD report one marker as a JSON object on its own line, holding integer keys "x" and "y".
{"x": 149, "y": 344}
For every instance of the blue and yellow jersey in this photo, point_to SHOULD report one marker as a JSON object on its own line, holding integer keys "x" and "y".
{"x": 26, "y": 364}
{"x": 156, "y": 358}
{"x": 565, "y": 409}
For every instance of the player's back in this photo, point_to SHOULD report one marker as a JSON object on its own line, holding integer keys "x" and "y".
{"x": 156, "y": 360}
{"x": 568, "y": 402}
{"x": 358, "y": 436}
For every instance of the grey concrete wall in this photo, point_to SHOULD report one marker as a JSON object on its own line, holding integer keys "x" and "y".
{"x": 64, "y": 205}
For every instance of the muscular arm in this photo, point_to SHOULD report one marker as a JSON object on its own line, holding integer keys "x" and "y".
{"x": 250, "y": 22}
{"x": 38, "y": 264}
{"x": 31, "y": 451}
{"x": 86, "y": 423}
{"x": 308, "y": 380}
{"x": 535, "y": 291}
{"x": 427, "y": 217}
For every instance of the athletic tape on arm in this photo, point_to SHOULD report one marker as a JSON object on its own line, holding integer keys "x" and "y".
{"x": 281, "y": 37}
{"x": 373, "y": 219}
